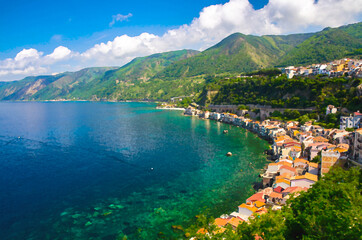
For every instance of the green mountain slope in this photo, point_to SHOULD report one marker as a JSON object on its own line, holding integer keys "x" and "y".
{"x": 235, "y": 54}
{"x": 324, "y": 46}
{"x": 90, "y": 83}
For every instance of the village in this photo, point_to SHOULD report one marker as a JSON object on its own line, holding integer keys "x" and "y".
{"x": 300, "y": 153}
{"x": 337, "y": 68}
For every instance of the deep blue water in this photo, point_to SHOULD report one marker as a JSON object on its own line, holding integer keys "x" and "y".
{"x": 84, "y": 170}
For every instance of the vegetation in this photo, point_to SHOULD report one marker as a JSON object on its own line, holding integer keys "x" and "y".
{"x": 331, "y": 209}
{"x": 281, "y": 92}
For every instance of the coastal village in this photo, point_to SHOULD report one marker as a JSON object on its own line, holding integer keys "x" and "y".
{"x": 300, "y": 154}
{"x": 337, "y": 68}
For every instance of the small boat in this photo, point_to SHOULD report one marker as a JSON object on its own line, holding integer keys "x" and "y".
{"x": 225, "y": 131}
{"x": 229, "y": 154}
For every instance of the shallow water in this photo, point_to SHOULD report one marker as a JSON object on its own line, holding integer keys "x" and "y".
{"x": 83, "y": 170}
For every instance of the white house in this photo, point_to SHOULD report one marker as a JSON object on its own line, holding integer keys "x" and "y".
{"x": 306, "y": 180}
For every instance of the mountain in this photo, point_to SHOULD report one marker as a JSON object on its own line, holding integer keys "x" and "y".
{"x": 89, "y": 83}
{"x": 185, "y": 72}
{"x": 51, "y": 87}
{"x": 235, "y": 54}
{"x": 325, "y": 46}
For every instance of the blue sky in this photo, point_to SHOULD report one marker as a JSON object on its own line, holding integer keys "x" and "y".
{"x": 44, "y": 37}
{"x": 80, "y": 23}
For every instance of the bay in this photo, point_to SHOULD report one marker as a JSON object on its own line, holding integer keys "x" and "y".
{"x": 86, "y": 170}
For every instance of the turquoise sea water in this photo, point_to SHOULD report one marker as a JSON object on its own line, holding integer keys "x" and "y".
{"x": 84, "y": 170}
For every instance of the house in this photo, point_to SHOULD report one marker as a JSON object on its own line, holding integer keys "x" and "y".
{"x": 284, "y": 183}
{"x": 285, "y": 175}
{"x": 314, "y": 149}
{"x": 256, "y": 197}
{"x": 313, "y": 168}
{"x": 221, "y": 222}
{"x": 357, "y": 145}
{"x": 234, "y": 222}
{"x": 190, "y": 111}
{"x": 286, "y": 169}
{"x": 329, "y": 158}
{"x": 294, "y": 190}
{"x": 275, "y": 197}
{"x": 301, "y": 163}
{"x": 246, "y": 211}
{"x": 259, "y": 205}
{"x": 278, "y": 189}
{"x": 351, "y": 121}
{"x": 306, "y": 180}
{"x": 331, "y": 109}
{"x": 295, "y": 152}
{"x": 320, "y": 140}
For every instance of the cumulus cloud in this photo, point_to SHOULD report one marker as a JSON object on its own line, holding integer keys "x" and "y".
{"x": 214, "y": 23}
{"x": 32, "y": 62}
{"x": 119, "y": 18}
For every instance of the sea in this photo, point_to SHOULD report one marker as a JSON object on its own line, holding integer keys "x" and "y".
{"x": 102, "y": 170}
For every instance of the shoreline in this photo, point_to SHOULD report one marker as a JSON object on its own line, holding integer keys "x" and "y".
{"x": 287, "y": 170}
{"x": 175, "y": 109}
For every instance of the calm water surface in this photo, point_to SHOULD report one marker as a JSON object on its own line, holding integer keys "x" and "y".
{"x": 83, "y": 170}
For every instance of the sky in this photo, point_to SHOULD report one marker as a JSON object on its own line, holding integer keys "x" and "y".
{"x": 47, "y": 37}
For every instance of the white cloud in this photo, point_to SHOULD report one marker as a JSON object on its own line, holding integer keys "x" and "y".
{"x": 60, "y": 53}
{"x": 119, "y": 18}
{"x": 213, "y": 24}
{"x": 32, "y": 62}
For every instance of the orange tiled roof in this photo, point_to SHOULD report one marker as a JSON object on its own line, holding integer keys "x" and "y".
{"x": 249, "y": 207}
{"x": 301, "y": 160}
{"x": 320, "y": 139}
{"x": 235, "y": 221}
{"x": 287, "y": 168}
{"x": 282, "y": 180}
{"x": 220, "y": 221}
{"x": 284, "y": 175}
{"x": 276, "y": 195}
{"x": 256, "y": 197}
{"x": 285, "y": 163}
{"x": 308, "y": 176}
{"x": 258, "y": 204}
{"x": 314, "y": 165}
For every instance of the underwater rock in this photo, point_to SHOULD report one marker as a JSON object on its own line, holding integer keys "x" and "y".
{"x": 106, "y": 214}
{"x": 88, "y": 223}
{"x": 63, "y": 214}
{"x": 113, "y": 206}
{"x": 77, "y": 215}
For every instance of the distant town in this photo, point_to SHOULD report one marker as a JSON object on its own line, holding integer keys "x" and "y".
{"x": 337, "y": 68}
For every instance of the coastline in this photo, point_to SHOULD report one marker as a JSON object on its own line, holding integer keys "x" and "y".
{"x": 290, "y": 172}
{"x": 176, "y": 109}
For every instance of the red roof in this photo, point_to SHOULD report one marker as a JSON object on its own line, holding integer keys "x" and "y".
{"x": 290, "y": 189}
{"x": 357, "y": 114}
{"x": 257, "y": 197}
{"x": 278, "y": 189}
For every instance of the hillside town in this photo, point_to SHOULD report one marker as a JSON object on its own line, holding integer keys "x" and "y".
{"x": 337, "y": 68}
{"x": 300, "y": 154}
